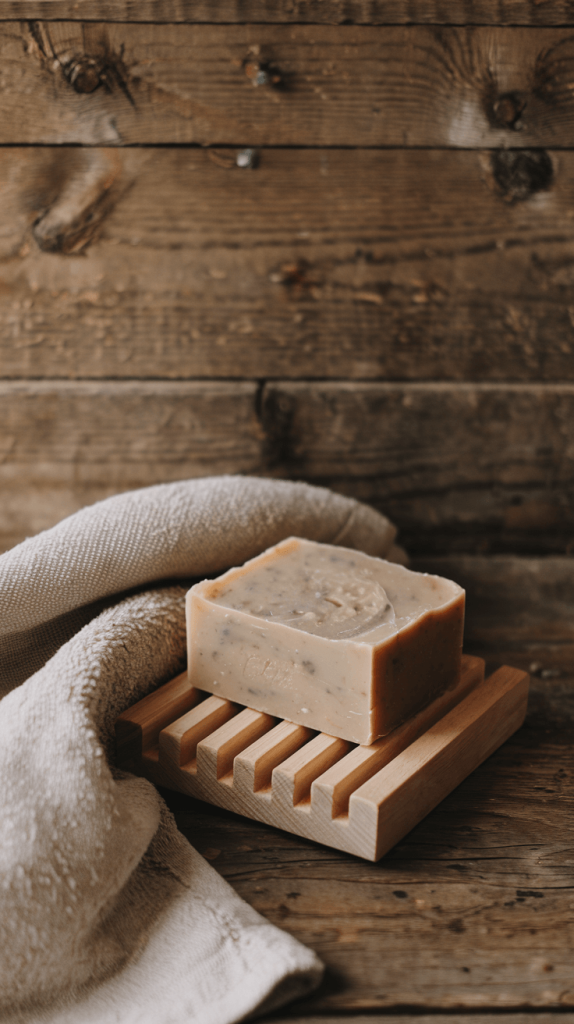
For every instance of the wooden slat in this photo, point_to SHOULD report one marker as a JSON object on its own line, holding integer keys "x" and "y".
{"x": 456, "y": 466}
{"x": 346, "y": 264}
{"x": 104, "y": 432}
{"x": 330, "y": 793}
{"x": 65, "y": 445}
{"x": 293, "y": 778}
{"x": 120, "y": 84}
{"x": 253, "y": 767}
{"x": 139, "y": 728}
{"x": 383, "y": 803}
{"x": 471, "y": 911}
{"x": 177, "y": 743}
{"x": 216, "y": 753}
{"x": 370, "y": 12}
{"x": 440, "y": 459}
{"x": 420, "y": 777}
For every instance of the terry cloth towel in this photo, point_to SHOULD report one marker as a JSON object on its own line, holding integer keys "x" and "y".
{"x": 107, "y": 914}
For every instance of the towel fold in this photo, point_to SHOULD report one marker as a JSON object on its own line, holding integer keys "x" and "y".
{"x": 107, "y": 914}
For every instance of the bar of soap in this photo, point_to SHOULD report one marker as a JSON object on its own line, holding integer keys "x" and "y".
{"x": 327, "y": 637}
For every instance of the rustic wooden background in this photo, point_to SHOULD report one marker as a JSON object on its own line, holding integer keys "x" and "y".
{"x": 383, "y": 304}
{"x": 330, "y": 240}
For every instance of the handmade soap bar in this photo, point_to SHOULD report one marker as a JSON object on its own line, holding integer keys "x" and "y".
{"x": 326, "y": 637}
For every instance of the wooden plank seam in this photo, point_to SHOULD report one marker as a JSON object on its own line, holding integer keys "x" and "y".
{"x": 359, "y": 799}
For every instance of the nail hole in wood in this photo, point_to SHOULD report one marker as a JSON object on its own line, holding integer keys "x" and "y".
{"x": 262, "y": 73}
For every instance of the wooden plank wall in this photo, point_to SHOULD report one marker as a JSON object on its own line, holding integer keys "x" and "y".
{"x": 328, "y": 239}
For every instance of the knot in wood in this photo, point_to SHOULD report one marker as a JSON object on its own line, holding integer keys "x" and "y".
{"x": 520, "y": 173}
{"x": 84, "y": 74}
{"x": 298, "y": 278}
{"x": 507, "y": 110}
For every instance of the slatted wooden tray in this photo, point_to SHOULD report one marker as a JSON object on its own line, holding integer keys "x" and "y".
{"x": 355, "y": 798}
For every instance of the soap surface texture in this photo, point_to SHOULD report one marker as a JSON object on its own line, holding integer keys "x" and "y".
{"x": 327, "y": 637}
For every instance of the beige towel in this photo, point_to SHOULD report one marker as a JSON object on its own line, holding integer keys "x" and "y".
{"x": 107, "y": 914}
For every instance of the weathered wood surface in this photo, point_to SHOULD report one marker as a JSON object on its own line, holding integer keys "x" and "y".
{"x": 370, "y": 12}
{"x": 456, "y": 466}
{"x": 63, "y": 446}
{"x": 340, "y": 263}
{"x": 518, "y": 610}
{"x": 258, "y": 85}
{"x": 473, "y": 910}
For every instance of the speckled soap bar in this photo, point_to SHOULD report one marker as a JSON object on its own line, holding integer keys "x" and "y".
{"x": 327, "y": 637}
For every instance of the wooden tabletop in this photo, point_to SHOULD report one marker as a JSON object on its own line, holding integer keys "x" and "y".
{"x": 472, "y": 911}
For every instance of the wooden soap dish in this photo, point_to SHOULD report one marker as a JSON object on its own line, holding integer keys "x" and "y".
{"x": 358, "y": 799}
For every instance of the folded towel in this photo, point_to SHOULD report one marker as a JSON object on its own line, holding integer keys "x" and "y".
{"x": 107, "y": 914}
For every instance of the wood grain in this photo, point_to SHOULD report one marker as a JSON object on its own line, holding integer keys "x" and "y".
{"x": 518, "y": 610}
{"x": 472, "y": 910}
{"x": 120, "y": 84}
{"x": 141, "y": 729}
{"x": 331, "y": 793}
{"x": 65, "y": 445}
{"x": 440, "y": 459}
{"x": 162, "y": 263}
{"x": 456, "y": 466}
{"x": 178, "y": 740}
{"x": 416, "y": 781}
{"x": 490, "y": 12}
{"x": 430, "y": 755}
